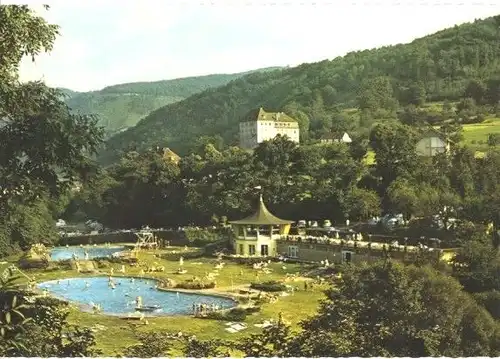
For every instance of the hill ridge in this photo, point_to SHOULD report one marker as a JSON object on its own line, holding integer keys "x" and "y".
{"x": 122, "y": 105}
{"x": 379, "y": 82}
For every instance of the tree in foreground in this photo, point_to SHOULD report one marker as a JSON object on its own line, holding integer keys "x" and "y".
{"x": 45, "y": 148}
{"x": 388, "y": 309}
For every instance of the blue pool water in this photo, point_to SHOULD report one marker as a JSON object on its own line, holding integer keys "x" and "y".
{"x": 62, "y": 253}
{"x": 121, "y": 300}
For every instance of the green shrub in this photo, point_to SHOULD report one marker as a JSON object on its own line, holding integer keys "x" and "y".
{"x": 119, "y": 260}
{"x": 222, "y": 245}
{"x": 236, "y": 314}
{"x": 33, "y": 263}
{"x": 493, "y": 139}
{"x": 271, "y": 286}
{"x": 201, "y": 237}
{"x": 190, "y": 254}
{"x": 491, "y": 301}
{"x": 232, "y": 315}
{"x": 252, "y": 310}
{"x": 195, "y": 285}
{"x": 64, "y": 264}
{"x": 7, "y": 248}
{"x": 102, "y": 263}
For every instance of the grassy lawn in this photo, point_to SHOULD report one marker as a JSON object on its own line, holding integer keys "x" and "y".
{"x": 119, "y": 334}
{"x": 476, "y": 134}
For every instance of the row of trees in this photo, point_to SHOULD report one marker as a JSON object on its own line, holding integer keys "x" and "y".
{"x": 314, "y": 182}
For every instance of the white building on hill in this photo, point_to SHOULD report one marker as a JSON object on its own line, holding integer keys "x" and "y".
{"x": 259, "y": 126}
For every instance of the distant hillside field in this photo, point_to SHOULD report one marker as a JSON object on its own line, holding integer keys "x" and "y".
{"x": 378, "y": 82}
{"x": 476, "y": 134}
{"x": 122, "y": 106}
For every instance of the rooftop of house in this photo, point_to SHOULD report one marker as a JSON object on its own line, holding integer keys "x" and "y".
{"x": 335, "y": 136}
{"x": 433, "y": 132}
{"x": 261, "y": 115}
{"x": 168, "y": 153}
{"x": 262, "y": 217}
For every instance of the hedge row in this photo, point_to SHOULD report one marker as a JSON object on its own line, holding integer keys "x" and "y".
{"x": 271, "y": 286}
{"x": 232, "y": 315}
{"x": 192, "y": 254}
{"x": 189, "y": 236}
{"x": 175, "y": 238}
{"x": 195, "y": 285}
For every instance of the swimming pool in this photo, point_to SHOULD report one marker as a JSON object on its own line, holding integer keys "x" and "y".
{"x": 121, "y": 300}
{"x": 62, "y": 253}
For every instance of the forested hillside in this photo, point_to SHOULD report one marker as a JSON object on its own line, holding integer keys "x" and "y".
{"x": 379, "y": 82}
{"x": 121, "y": 106}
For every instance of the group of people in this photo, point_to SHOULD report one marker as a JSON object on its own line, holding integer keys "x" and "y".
{"x": 111, "y": 283}
{"x": 86, "y": 256}
{"x": 96, "y": 308}
{"x": 138, "y": 302}
{"x": 204, "y": 308}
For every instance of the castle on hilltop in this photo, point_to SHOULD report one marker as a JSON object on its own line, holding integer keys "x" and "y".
{"x": 259, "y": 126}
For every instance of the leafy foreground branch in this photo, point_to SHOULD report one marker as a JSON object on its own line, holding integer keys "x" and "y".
{"x": 385, "y": 309}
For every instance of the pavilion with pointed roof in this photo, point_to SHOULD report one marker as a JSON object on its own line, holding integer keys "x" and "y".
{"x": 256, "y": 234}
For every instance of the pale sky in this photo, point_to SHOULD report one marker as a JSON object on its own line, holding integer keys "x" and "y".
{"x": 116, "y": 41}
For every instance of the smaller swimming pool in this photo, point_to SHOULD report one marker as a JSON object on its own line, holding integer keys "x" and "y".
{"x": 122, "y": 299}
{"x": 62, "y": 253}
